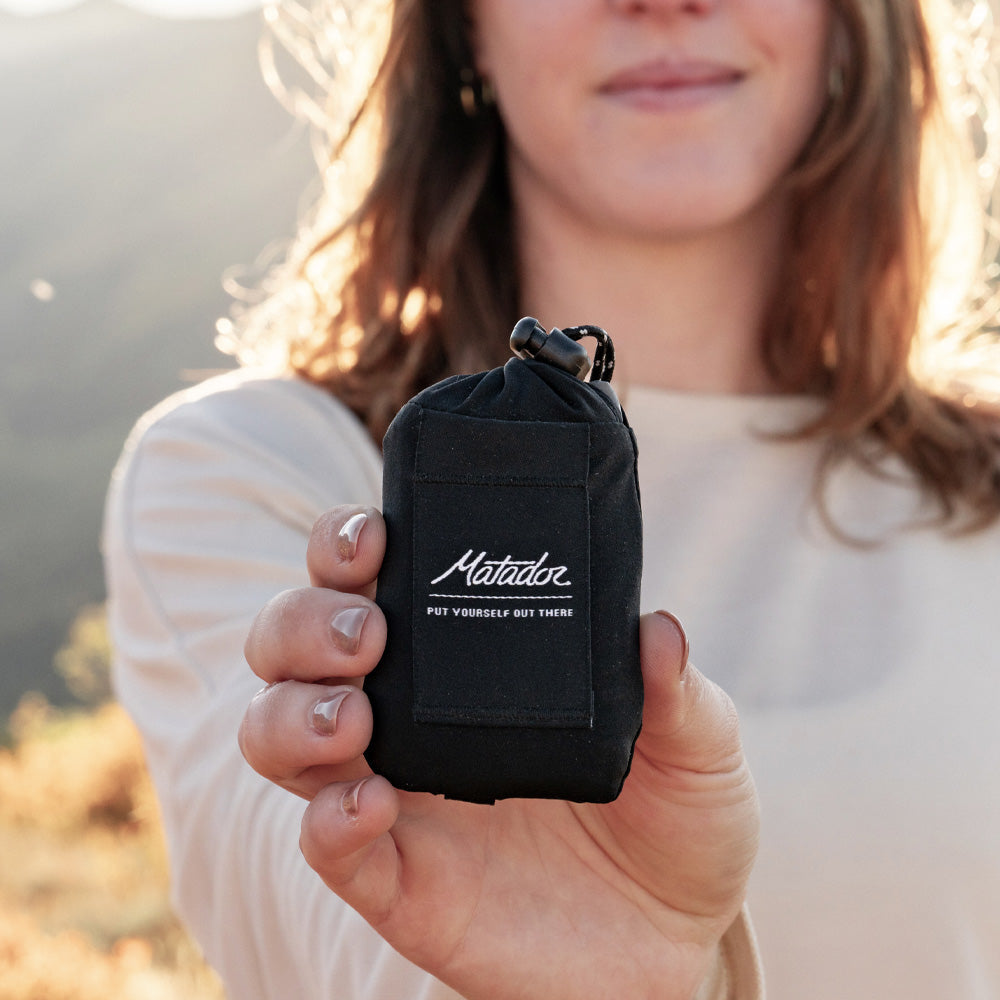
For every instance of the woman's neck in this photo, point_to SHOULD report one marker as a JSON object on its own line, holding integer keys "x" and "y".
{"x": 684, "y": 312}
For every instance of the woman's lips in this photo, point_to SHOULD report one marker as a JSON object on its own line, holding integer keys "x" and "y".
{"x": 665, "y": 85}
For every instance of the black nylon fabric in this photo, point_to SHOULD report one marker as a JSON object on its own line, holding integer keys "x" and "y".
{"x": 510, "y": 588}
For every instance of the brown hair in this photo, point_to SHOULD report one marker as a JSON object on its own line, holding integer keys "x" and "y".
{"x": 417, "y": 279}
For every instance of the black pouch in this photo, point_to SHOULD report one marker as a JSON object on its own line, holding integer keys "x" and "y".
{"x": 510, "y": 584}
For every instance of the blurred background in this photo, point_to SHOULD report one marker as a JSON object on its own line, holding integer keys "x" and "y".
{"x": 143, "y": 156}
{"x": 142, "y": 159}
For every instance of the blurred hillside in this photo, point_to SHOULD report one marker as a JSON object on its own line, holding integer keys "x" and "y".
{"x": 140, "y": 159}
{"x": 84, "y": 907}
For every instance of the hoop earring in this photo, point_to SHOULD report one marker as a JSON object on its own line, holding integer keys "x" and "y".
{"x": 476, "y": 92}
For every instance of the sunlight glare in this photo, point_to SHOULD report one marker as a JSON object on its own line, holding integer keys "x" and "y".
{"x": 42, "y": 290}
{"x": 175, "y": 9}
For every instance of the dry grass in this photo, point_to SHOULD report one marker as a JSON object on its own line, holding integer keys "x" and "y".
{"x": 84, "y": 911}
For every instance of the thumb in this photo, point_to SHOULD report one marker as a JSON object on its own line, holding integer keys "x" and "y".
{"x": 690, "y": 793}
{"x": 689, "y": 723}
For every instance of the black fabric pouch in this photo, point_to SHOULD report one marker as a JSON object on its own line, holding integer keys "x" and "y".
{"x": 510, "y": 587}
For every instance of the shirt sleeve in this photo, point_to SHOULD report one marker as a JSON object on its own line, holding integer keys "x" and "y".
{"x": 736, "y": 973}
{"x": 208, "y": 517}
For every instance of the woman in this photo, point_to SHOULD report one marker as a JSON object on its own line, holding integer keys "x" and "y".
{"x": 746, "y": 194}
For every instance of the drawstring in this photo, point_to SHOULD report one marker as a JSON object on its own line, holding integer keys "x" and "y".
{"x": 604, "y": 356}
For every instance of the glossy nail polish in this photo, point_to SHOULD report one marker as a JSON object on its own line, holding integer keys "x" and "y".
{"x": 347, "y": 537}
{"x": 350, "y": 799}
{"x": 325, "y": 712}
{"x": 680, "y": 628}
{"x": 346, "y": 627}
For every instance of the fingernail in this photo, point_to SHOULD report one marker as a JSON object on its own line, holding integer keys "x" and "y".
{"x": 350, "y": 800}
{"x": 346, "y": 628}
{"x": 325, "y": 712}
{"x": 347, "y": 537}
{"x": 680, "y": 628}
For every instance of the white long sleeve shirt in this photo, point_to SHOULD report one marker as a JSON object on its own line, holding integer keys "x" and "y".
{"x": 867, "y": 679}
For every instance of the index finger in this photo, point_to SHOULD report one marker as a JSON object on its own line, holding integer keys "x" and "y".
{"x": 346, "y": 548}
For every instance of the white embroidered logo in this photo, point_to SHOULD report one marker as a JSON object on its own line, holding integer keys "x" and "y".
{"x": 507, "y": 572}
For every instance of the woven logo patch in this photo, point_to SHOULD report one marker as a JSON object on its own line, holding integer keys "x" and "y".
{"x": 501, "y": 581}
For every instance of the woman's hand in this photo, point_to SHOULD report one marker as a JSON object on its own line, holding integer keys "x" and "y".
{"x": 526, "y": 898}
